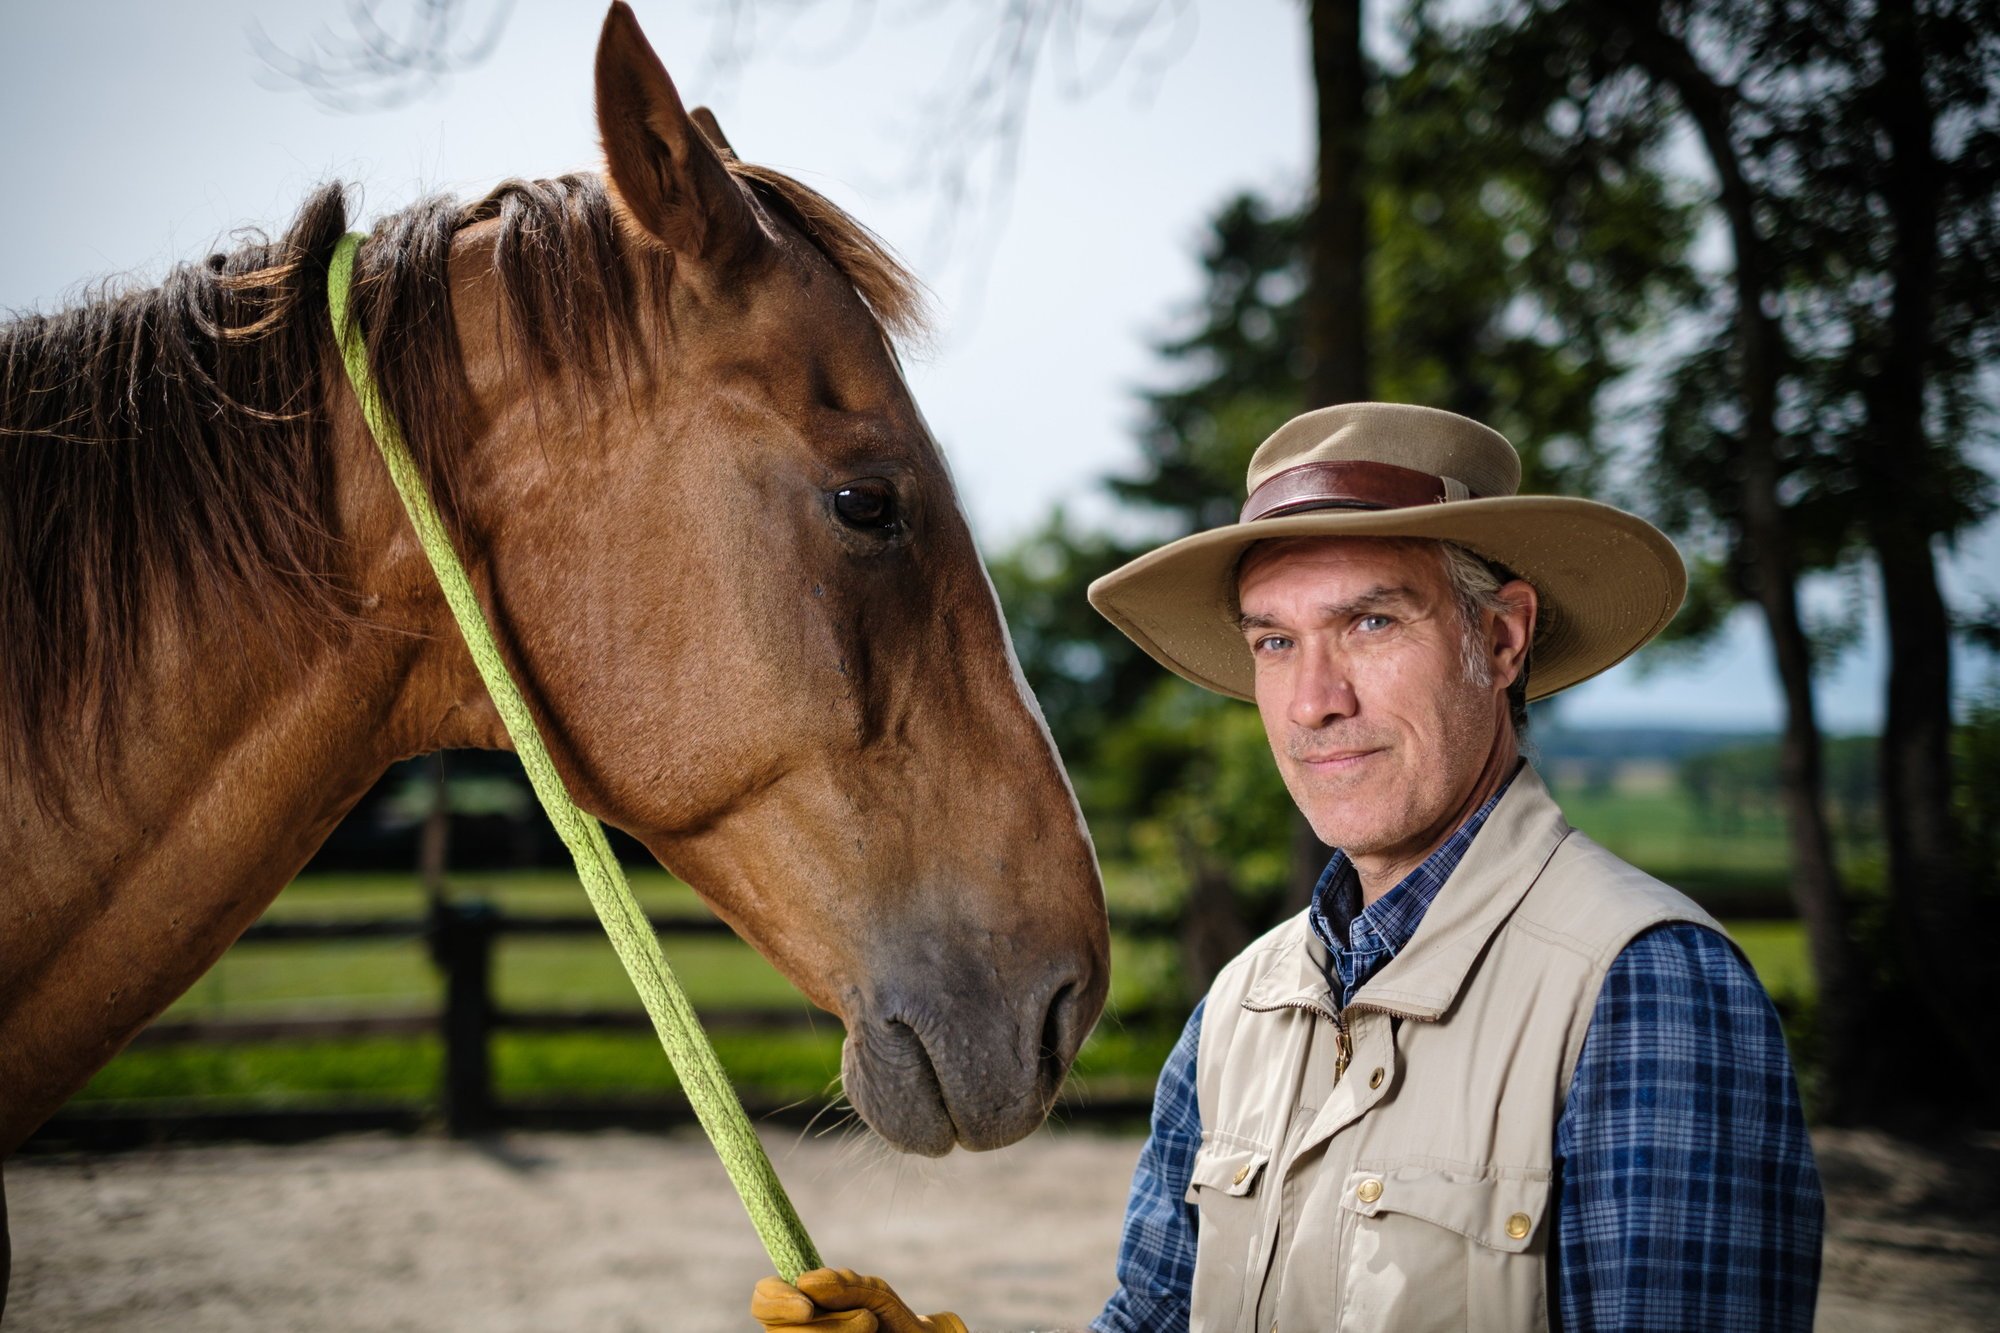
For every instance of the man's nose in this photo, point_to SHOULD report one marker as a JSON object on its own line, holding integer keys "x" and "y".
{"x": 1322, "y": 691}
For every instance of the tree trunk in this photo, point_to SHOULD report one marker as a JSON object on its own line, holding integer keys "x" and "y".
{"x": 1765, "y": 554}
{"x": 1932, "y": 904}
{"x": 1212, "y": 927}
{"x": 1336, "y": 297}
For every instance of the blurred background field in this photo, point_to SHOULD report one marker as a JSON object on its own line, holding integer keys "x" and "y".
{"x": 1180, "y": 224}
{"x": 1157, "y": 230}
{"x": 1649, "y": 810}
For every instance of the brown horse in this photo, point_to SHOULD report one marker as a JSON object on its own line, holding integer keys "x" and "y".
{"x": 722, "y": 551}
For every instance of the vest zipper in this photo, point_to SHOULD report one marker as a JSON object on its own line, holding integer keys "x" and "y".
{"x": 1343, "y": 1045}
{"x": 1343, "y": 1042}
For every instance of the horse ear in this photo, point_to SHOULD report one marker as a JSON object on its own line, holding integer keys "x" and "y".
{"x": 711, "y": 130}
{"x": 662, "y": 169}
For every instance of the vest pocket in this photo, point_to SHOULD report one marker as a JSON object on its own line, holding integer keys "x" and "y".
{"x": 1230, "y": 1169}
{"x": 1431, "y": 1249}
{"x": 1231, "y": 1249}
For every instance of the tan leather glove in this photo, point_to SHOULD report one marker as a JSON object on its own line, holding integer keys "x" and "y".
{"x": 840, "y": 1300}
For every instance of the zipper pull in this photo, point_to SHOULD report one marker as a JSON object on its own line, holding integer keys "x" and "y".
{"x": 1343, "y": 1048}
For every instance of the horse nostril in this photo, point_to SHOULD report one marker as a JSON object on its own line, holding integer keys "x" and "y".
{"x": 1062, "y": 1030}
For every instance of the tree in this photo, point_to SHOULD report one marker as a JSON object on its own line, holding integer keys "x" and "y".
{"x": 1507, "y": 276}
{"x": 1832, "y": 411}
{"x": 1336, "y": 306}
{"x": 1717, "y": 459}
{"x": 1913, "y": 136}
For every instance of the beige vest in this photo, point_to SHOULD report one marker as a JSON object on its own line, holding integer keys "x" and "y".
{"x": 1410, "y": 1191}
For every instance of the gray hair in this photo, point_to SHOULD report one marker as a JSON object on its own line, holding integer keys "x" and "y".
{"x": 1475, "y": 586}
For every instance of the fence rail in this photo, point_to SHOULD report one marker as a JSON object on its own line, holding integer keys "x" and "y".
{"x": 461, "y": 935}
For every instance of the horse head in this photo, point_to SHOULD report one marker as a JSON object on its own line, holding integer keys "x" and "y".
{"x": 735, "y": 577}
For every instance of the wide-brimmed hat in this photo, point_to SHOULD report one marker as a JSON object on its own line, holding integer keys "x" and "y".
{"x": 1607, "y": 581}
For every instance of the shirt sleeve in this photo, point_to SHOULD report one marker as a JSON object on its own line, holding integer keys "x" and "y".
{"x": 1689, "y": 1197}
{"x": 1156, "y": 1255}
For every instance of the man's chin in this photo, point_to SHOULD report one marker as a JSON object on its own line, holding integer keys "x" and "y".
{"x": 1346, "y": 811}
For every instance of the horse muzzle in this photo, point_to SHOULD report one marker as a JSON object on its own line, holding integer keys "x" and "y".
{"x": 968, "y": 1060}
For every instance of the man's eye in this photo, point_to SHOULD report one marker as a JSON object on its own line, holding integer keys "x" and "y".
{"x": 1371, "y": 624}
{"x": 1271, "y": 643}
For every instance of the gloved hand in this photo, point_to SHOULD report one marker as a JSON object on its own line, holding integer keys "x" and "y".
{"x": 840, "y": 1300}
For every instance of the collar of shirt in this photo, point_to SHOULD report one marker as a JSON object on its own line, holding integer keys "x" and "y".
{"x": 1361, "y": 940}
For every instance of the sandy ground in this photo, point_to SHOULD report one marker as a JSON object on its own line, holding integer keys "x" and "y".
{"x": 625, "y": 1232}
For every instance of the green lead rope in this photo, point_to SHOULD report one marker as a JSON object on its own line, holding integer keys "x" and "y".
{"x": 688, "y": 1047}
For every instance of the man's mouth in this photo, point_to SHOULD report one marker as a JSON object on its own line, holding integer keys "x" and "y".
{"x": 1335, "y": 760}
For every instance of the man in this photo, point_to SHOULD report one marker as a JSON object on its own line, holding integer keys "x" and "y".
{"x": 1493, "y": 1077}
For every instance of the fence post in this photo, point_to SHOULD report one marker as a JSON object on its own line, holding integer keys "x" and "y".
{"x": 461, "y": 940}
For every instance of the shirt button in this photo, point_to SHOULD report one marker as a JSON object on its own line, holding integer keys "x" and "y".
{"x": 1242, "y": 1174}
{"x": 1517, "y": 1225}
{"x": 1375, "y": 1079}
{"x": 1369, "y": 1191}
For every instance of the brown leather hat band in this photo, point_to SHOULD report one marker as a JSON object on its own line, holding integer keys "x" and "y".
{"x": 1345, "y": 485}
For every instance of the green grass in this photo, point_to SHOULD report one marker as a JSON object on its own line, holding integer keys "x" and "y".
{"x": 793, "y": 1064}
{"x": 542, "y": 892}
{"x": 1777, "y": 950}
{"x": 1749, "y": 865}
{"x": 1664, "y": 834}
{"x": 298, "y": 978}
{"x": 1659, "y": 831}
{"x": 382, "y": 1067}
{"x": 287, "y": 979}
{"x": 799, "y": 1064}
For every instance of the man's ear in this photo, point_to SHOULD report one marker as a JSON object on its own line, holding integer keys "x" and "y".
{"x": 663, "y": 171}
{"x": 1513, "y": 629}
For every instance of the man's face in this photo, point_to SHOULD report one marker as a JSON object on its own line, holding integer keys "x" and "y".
{"x": 1376, "y": 724}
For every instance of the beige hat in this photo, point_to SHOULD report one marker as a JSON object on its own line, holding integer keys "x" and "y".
{"x": 1607, "y": 580}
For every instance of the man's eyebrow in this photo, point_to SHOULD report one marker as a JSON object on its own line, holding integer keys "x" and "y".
{"x": 1374, "y": 599}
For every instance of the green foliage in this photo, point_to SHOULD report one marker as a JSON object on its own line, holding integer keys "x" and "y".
{"x": 1976, "y": 789}
{"x": 1192, "y": 774}
{"x": 1241, "y": 366}
{"x": 1511, "y": 275}
{"x": 1777, "y": 952}
{"x": 1736, "y": 785}
{"x": 1084, "y": 678}
{"x": 1832, "y": 152}
{"x": 1522, "y": 240}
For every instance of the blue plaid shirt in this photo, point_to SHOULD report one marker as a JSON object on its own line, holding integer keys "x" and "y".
{"x": 1688, "y": 1193}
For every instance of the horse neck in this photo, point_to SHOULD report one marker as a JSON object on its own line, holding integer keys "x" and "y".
{"x": 238, "y": 752}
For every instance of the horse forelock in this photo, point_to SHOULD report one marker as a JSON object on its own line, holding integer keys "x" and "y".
{"x": 162, "y": 450}
{"x": 894, "y": 294}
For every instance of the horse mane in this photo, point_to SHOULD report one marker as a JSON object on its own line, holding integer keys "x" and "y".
{"x": 162, "y": 449}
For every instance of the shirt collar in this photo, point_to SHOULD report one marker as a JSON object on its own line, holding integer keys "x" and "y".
{"x": 1359, "y": 941}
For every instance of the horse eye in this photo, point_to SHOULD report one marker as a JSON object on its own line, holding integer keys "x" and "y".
{"x": 868, "y": 504}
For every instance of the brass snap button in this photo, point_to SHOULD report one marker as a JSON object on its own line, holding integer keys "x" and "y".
{"x": 1242, "y": 1174}
{"x": 1369, "y": 1191}
{"x": 1517, "y": 1225}
{"x": 1375, "y": 1079}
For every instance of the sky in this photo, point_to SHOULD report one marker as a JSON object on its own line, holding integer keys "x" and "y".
{"x": 141, "y": 133}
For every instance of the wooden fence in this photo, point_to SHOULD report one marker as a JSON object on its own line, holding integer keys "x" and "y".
{"x": 461, "y": 935}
